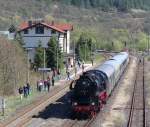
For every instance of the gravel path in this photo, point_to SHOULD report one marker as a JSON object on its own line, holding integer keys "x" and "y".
{"x": 147, "y": 92}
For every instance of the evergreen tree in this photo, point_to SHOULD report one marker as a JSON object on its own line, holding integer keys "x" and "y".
{"x": 54, "y": 54}
{"x": 18, "y": 38}
{"x": 38, "y": 59}
{"x": 85, "y": 45}
{"x": 122, "y": 5}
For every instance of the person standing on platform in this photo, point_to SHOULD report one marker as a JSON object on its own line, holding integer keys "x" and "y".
{"x": 75, "y": 70}
{"x": 20, "y": 90}
{"x": 68, "y": 75}
{"x": 82, "y": 67}
{"x": 48, "y": 85}
{"x": 53, "y": 81}
{"x": 45, "y": 85}
{"x": 25, "y": 91}
{"x": 92, "y": 62}
{"x": 28, "y": 88}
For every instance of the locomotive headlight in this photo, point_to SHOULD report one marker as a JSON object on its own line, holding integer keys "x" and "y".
{"x": 75, "y": 103}
{"x": 92, "y": 103}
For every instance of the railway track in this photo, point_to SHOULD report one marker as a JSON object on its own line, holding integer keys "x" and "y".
{"x": 27, "y": 116}
{"x": 77, "y": 123}
{"x": 137, "y": 117}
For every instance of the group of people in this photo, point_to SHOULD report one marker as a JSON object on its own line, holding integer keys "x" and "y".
{"x": 75, "y": 69}
{"x": 24, "y": 91}
{"x": 44, "y": 85}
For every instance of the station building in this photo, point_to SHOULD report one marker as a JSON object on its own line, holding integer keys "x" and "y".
{"x": 38, "y": 31}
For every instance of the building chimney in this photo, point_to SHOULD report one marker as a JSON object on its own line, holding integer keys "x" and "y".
{"x": 52, "y": 23}
{"x": 30, "y": 23}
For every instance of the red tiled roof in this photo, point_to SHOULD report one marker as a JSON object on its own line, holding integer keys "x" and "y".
{"x": 57, "y": 27}
{"x": 53, "y": 27}
{"x": 64, "y": 26}
{"x": 23, "y": 25}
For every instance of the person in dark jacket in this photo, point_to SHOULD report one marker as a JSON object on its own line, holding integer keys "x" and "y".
{"x": 79, "y": 63}
{"x": 48, "y": 85}
{"x": 28, "y": 88}
{"x": 53, "y": 81}
{"x": 45, "y": 85}
{"x": 20, "y": 90}
{"x": 82, "y": 67}
{"x": 68, "y": 75}
{"x": 25, "y": 91}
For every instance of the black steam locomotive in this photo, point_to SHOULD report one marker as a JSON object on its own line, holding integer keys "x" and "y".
{"x": 92, "y": 89}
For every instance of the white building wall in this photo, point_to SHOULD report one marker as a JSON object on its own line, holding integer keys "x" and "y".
{"x": 68, "y": 42}
{"x": 61, "y": 41}
{"x": 32, "y": 39}
{"x": 64, "y": 45}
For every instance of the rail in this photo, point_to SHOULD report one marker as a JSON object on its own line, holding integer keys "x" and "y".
{"x": 132, "y": 108}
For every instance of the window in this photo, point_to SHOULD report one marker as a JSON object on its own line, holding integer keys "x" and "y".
{"x": 53, "y": 32}
{"x": 26, "y": 31}
{"x": 39, "y": 30}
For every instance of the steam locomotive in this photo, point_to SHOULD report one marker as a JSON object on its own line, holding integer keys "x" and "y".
{"x": 92, "y": 89}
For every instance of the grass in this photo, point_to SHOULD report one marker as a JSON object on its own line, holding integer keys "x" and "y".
{"x": 14, "y": 103}
{"x": 148, "y": 58}
{"x": 98, "y": 58}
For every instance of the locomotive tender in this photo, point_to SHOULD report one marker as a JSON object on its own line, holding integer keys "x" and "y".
{"x": 93, "y": 88}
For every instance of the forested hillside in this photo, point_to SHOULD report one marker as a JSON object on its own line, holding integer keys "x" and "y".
{"x": 122, "y": 5}
{"x": 86, "y": 16}
{"x": 14, "y": 11}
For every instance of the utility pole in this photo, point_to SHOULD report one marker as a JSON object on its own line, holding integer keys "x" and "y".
{"x": 74, "y": 59}
{"x": 3, "y": 106}
{"x": 44, "y": 58}
{"x": 148, "y": 43}
{"x": 28, "y": 65}
{"x": 44, "y": 64}
{"x": 85, "y": 50}
{"x": 57, "y": 55}
{"x": 74, "y": 53}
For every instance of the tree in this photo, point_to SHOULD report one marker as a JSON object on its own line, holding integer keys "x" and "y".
{"x": 85, "y": 45}
{"x": 19, "y": 39}
{"x": 142, "y": 41}
{"x": 54, "y": 54}
{"x": 38, "y": 59}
